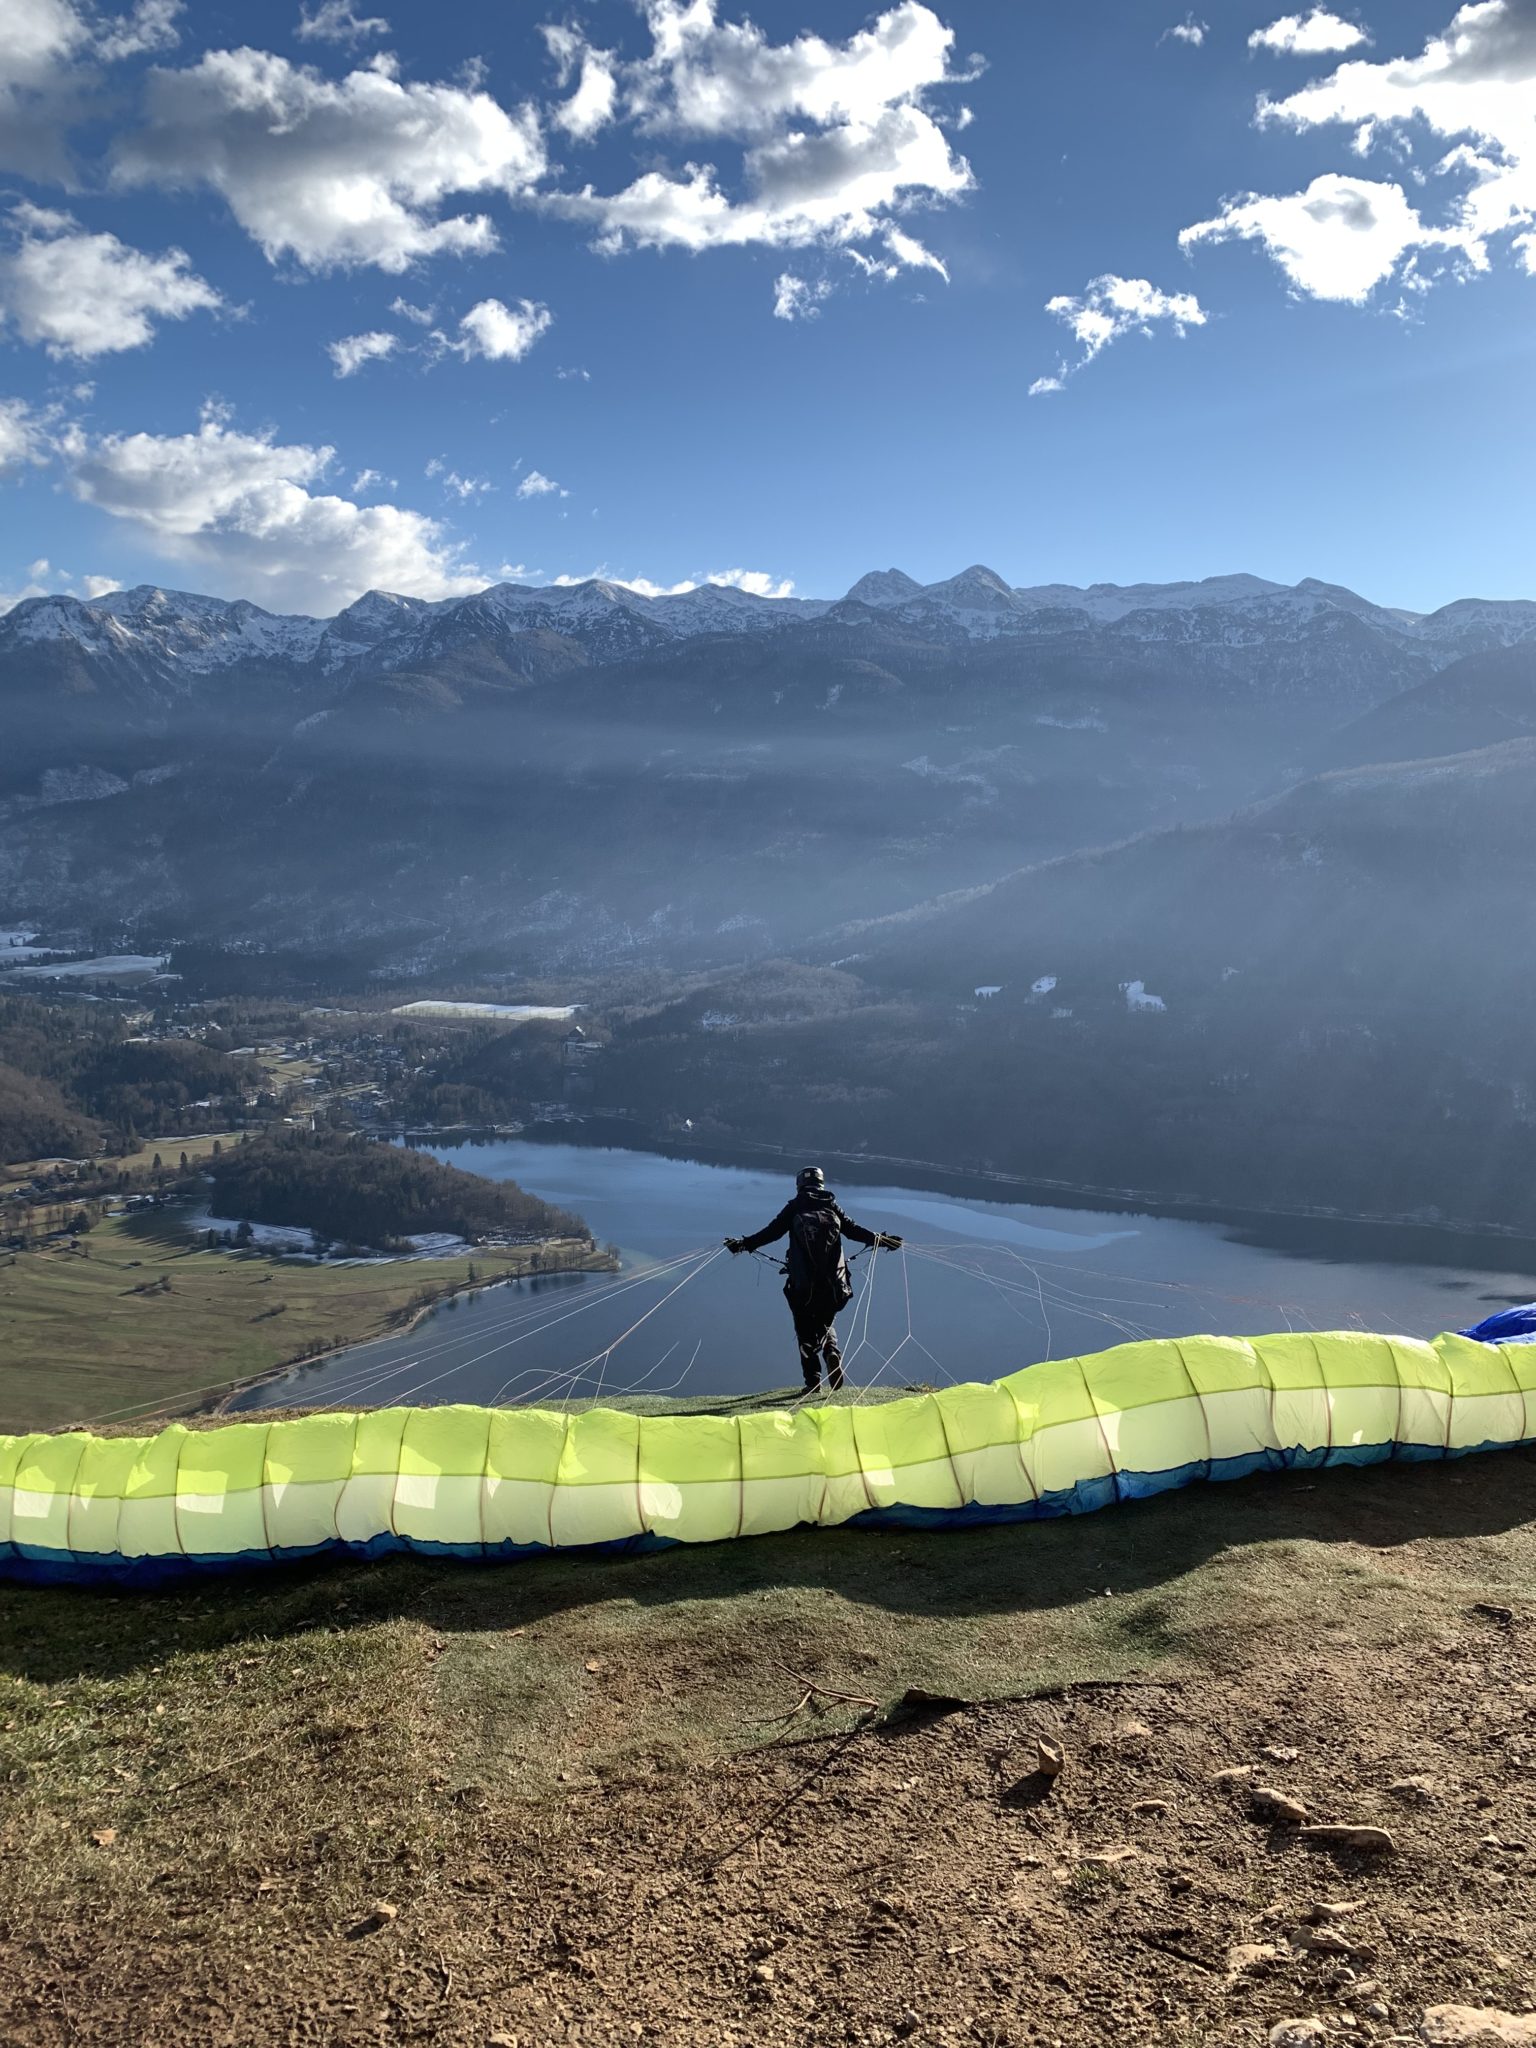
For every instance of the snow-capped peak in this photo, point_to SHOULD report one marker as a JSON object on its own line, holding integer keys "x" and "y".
{"x": 884, "y": 586}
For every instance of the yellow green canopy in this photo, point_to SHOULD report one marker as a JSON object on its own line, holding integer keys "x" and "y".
{"x": 1059, "y": 1438}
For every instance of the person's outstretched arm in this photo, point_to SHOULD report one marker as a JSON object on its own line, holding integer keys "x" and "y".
{"x": 771, "y": 1232}
{"x": 860, "y": 1235}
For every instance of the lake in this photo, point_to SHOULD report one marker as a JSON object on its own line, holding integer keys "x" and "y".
{"x": 983, "y": 1287}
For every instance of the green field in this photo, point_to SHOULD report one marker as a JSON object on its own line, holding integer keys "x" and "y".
{"x": 79, "y": 1340}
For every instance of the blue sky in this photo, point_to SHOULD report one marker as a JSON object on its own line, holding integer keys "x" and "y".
{"x": 296, "y": 302}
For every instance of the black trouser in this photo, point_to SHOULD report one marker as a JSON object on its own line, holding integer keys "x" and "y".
{"x": 817, "y": 1338}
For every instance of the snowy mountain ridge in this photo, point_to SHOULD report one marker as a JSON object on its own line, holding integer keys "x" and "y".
{"x": 181, "y": 632}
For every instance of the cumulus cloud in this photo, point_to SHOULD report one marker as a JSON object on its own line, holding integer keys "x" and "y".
{"x": 333, "y": 172}
{"x": 795, "y": 298}
{"x": 536, "y": 485}
{"x": 594, "y": 100}
{"x": 1109, "y": 308}
{"x": 23, "y": 438}
{"x": 82, "y": 295}
{"x": 500, "y": 333}
{"x": 51, "y": 55}
{"x": 350, "y": 351}
{"x": 835, "y": 138}
{"x": 1474, "y": 87}
{"x": 247, "y": 511}
{"x": 419, "y": 316}
{"x": 334, "y": 21}
{"x": 1318, "y": 34}
{"x": 1189, "y": 30}
{"x": 1336, "y": 240}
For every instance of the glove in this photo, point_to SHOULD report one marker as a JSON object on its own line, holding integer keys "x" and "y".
{"x": 734, "y": 1245}
{"x": 887, "y": 1243}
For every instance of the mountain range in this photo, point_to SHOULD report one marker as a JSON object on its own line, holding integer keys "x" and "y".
{"x": 538, "y": 780}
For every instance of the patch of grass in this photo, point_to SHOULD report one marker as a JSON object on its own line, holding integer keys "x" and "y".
{"x": 78, "y": 1339}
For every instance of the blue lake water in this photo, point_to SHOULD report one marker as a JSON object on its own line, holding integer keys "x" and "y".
{"x": 983, "y": 1288}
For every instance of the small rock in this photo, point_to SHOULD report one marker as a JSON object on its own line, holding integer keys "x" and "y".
{"x": 1249, "y": 1956}
{"x": 1447, "y": 2024}
{"x": 1153, "y": 1806}
{"x": 1104, "y": 1858}
{"x": 764, "y": 1972}
{"x": 1415, "y": 1791}
{"x": 1233, "y": 1774}
{"x": 501, "y": 2041}
{"x": 1133, "y": 1731}
{"x": 1281, "y": 1753}
{"x": 1332, "y": 1909}
{"x": 378, "y": 1915}
{"x": 1052, "y": 1757}
{"x": 1327, "y": 1941}
{"x": 1297, "y": 2033}
{"x": 1377, "y": 2011}
{"x": 1278, "y": 1806}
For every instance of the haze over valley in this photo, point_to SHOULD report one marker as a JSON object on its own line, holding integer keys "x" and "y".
{"x": 1121, "y": 888}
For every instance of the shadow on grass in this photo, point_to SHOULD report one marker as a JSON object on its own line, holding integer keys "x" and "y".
{"x": 1019, "y": 1568}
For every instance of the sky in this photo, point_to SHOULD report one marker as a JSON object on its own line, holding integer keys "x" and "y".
{"x": 296, "y": 301}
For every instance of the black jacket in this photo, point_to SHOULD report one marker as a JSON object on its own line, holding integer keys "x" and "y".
{"x": 815, "y": 1226}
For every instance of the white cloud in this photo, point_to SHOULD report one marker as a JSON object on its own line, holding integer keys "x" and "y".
{"x": 150, "y": 26}
{"x": 1336, "y": 240}
{"x": 1318, "y": 34}
{"x": 244, "y": 509}
{"x": 23, "y": 438}
{"x": 1189, "y": 30}
{"x": 334, "y": 21}
{"x": 536, "y": 485}
{"x": 332, "y": 172}
{"x": 794, "y": 298}
{"x": 1109, "y": 308}
{"x": 365, "y": 480}
{"x": 1473, "y": 86}
{"x": 757, "y": 582}
{"x": 595, "y": 100}
{"x": 835, "y": 138}
{"x": 351, "y": 351}
{"x": 44, "y": 580}
{"x": 461, "y": 487}
{"x": 502, "y": 334}
{"x": 909, "y": 251}
{"x": 419, "y": 316}
{"x": 9, "y": 599}
{"x": 82, "y": 295}
{"x": 51, "y": 52}
{"x": 575, "y": 371}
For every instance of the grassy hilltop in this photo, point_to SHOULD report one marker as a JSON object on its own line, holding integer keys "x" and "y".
{"x": 599, "y": 1800}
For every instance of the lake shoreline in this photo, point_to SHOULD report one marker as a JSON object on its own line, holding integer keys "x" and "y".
{"x": 982, "y": 1184}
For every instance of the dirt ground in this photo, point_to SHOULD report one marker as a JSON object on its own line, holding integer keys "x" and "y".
{"x": 589, "y": 1803}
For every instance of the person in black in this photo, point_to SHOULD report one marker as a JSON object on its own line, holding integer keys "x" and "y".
{"x": 816, "y": 1283}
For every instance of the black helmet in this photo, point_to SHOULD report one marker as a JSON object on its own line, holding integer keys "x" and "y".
{"x": 810, "y": 1177}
